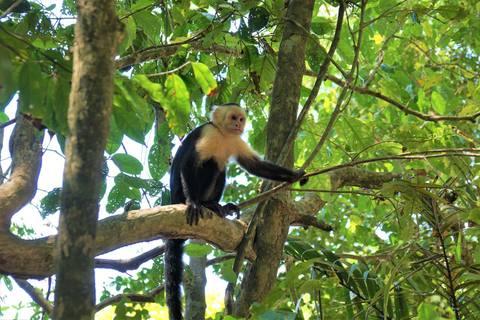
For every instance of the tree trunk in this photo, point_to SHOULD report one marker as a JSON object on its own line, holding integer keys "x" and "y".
{"x": 195, "y": 287}
{"x": 98, "y": 34}
{"x": 273, "y": 229}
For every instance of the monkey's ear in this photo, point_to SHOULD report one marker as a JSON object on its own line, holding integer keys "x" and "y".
{"x": 218, "y": 114}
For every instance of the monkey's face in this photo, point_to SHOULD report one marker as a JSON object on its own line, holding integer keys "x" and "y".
{"x": 230, "y": 119}
{"x": 235, "y": 122}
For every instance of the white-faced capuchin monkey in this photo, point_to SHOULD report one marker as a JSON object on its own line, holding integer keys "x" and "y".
{"x": 197, "y": 179}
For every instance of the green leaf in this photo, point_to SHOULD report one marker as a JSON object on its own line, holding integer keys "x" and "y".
{"x": 357, "y": 133}
{"x": 116, "y": 199}
{"x": 245, "y": 33}
{"x": 136, "y": 103}
{"x": 228, "y": 275}
{"x": 315, "y": 56}
{"x": 452, "y": 12}
{"x": 310, "y": 285}
{"x": 474, "y": 215}
{"x": 8, "y": 284}
{"x": 125, "y": 187}
{"x": 56, "y": 106}
{"x": 127, "y": 163}
{"x": 154, "y": 89}
{"x": 50, "y": 204}
{"x": 427, "y": 311}
{"x": 205, "y": 79}
{"x": 133, "y": 182}
{"x": 438, "y": 103}
{"x": 258, "y": 18}
{"x": 458, "y": 249}
{"x": 127, "y": 121}
{"x": 3, "y": 117}
{"x": 262, "y": 72}
{"x": 32, "y": 89}
{"x": 321, "y": 26}
{"x": 7, "y": 81}
{"x": 178, "y": 107}
{"x": 197, "y": 250}
{"x": 115, "y": 138}
{"x": 159, "y": 159}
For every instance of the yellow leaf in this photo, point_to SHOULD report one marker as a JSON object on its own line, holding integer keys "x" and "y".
{"x": 378, "y": 39}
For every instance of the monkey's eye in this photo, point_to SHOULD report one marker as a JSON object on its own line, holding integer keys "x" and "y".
{"x": 234, "y": 117}
{"x": 242, "y": 119}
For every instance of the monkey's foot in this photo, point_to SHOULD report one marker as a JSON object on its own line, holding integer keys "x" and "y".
{"x": 223, "y": 211}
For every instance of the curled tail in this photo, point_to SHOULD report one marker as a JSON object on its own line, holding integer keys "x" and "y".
{"x": 173, "y": 277}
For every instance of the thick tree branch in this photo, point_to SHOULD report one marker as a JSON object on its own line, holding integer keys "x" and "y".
{"x": 20, "y": 188}
{"x": 35, "y": 258}
{"x": 169, "y": 50}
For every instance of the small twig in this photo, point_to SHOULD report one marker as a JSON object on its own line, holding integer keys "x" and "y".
{"x": 285, "y": 185}
{"x": 35, "y": 295}
{"x": 404, "y": 109}
{"x": 9, "y": 122}
{"x": 13, "y": 6}
{"x": 169, "y": 71}
{"x": 123, "y": 265}
{"x": 134, "y": 297}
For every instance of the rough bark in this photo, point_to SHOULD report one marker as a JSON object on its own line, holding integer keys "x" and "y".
{"x": 20, "y": 188}
{"x": 273, "y": 229}
{"x": 98, "y": 33}
{"x": 35, "y": 258}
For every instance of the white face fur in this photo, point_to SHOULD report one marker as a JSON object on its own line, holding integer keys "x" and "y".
{"x": 231, "y": 119}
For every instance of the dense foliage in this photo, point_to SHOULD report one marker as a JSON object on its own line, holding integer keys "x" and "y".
{"x": 403, "y": 96}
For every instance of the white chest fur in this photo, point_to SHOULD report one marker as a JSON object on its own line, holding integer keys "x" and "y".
{"x": 214, "y": 144}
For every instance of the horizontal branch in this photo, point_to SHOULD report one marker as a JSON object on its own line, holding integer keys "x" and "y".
{"x": 122, "y": 265}
{"x": 35, "y": 258}
{"x": 404, "y": 109}
{"x": 379, "y": 159}
{"x": 134, "y": 297}
{"x": 159, "y": 52}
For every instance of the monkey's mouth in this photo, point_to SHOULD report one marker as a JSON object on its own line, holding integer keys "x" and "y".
{"x": 237, "y": 131}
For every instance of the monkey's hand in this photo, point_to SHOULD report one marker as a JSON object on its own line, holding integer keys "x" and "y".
{"x": 231, "y": 208}
{"x": 304, "y": 180}
{"x": 223, "y": 211}
{"x": 194, "y": 212}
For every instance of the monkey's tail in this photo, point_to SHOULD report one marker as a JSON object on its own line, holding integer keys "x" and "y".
{"x": 173, "y": 277}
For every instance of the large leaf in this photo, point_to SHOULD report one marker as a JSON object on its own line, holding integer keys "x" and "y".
{"x": 127, "y": 163}
{"x": 205, "y": 79}
{"x": 178, "y": 106}
{"x": 32, "y": 89}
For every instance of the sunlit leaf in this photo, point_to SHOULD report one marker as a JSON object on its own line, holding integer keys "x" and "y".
{"x": 197, "y": 250}
{"x": 205, "y": 79}
{"x": 178, "y": 107}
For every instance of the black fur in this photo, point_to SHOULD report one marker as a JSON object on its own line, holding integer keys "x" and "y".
{"x": 200, "y": 184}
{"x": 189, "y": 180}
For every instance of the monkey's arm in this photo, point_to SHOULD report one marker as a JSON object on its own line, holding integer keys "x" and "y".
{"x": 267, "y": 170}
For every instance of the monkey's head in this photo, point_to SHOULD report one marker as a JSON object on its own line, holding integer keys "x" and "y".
{"x": 229, "y": 118}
